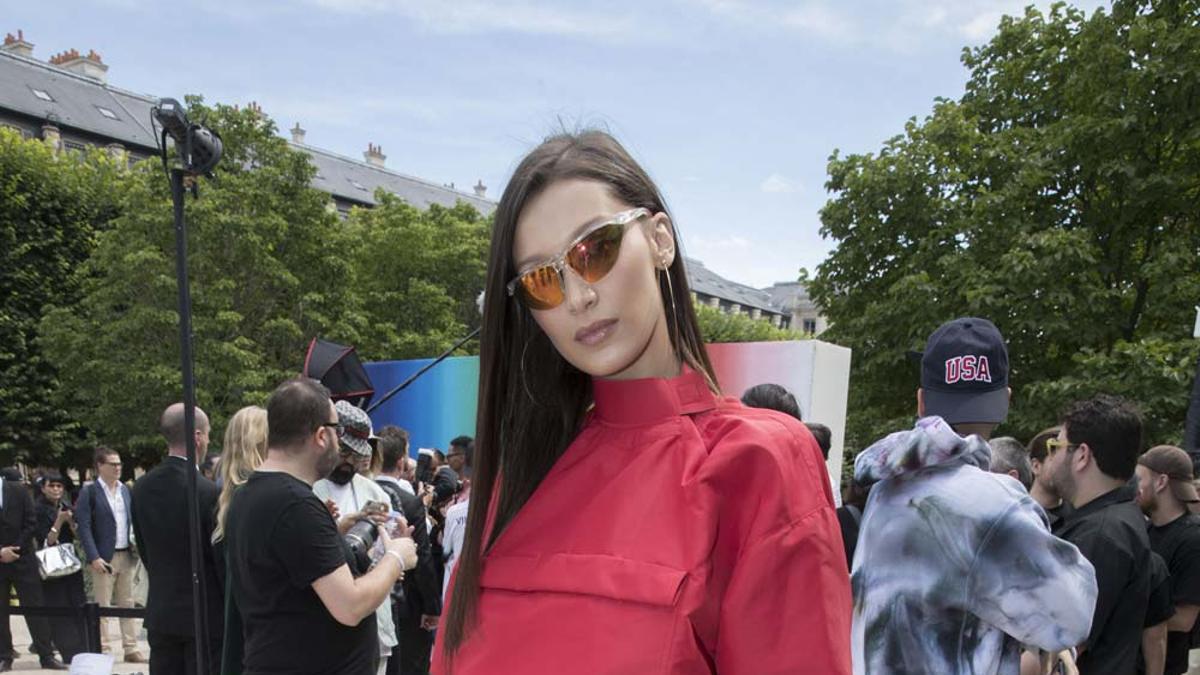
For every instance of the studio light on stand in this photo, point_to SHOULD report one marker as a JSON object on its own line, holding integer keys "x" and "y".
{"x": 197, "y": 152}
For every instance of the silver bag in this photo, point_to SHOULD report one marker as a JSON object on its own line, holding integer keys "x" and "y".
{"x": 58, "y": 561}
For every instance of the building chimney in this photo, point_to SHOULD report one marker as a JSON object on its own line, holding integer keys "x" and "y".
{"x": 374, "y": 155}
{"x": 118, "y": 153}
{"x": 89, "y": 65}
{"x": 298, "y": 134}
{"x": 16, "y": 44}
{"x": 480, "y": 189}
{"x": 52, "y": 136}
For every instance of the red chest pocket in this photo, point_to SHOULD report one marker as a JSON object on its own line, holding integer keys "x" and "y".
{"x": 574, "y": 613}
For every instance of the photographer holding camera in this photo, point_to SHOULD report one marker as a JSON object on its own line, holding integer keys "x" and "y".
{"x": 303, "y": 611}
{"x": 360, "y": 506}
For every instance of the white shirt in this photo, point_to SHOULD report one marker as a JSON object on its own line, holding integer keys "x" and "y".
{"x": 350, "y": 498}
{"x": 400, "y": 484}
{"x": 120, "y": 513}
{"x": 452, "y": 539}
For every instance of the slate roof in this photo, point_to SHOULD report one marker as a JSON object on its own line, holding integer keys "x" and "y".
{"x": 356, "y": 181}
{"x": 788, "y": 295}
{"x": 78, "y": 99}
{"x": 706, "y": 282}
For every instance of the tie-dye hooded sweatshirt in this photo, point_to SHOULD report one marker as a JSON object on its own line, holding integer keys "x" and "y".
{"x": 955, "y": 566}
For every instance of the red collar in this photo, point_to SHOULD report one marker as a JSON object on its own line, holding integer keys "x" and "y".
{"x": 652, "y": 399}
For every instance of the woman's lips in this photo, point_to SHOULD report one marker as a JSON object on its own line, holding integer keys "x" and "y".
{"x": 595, "y": 333}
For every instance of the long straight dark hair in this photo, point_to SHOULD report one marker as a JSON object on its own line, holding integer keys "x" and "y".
{"x": 532, "y": 403}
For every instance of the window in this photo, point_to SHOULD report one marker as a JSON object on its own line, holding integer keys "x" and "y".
{"x": 357, "y": 184}
{"x": 107, "y": 113}
{"x": 810, "y": 326}
{"x": 43, "y": 95}
{"x": 73, "y": 147}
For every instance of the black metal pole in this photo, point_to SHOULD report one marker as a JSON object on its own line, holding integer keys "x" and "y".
{"x": 200, "y": 616}
{"x": 421, "y": 372}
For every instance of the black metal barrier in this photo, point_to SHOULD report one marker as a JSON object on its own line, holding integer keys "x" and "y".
{"x": 87, "y": 616}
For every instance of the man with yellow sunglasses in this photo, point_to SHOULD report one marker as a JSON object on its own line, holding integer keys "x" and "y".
{"x": 1090, "y": 464}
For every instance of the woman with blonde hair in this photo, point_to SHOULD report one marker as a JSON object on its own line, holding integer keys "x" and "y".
{"x": 245, "y": 447}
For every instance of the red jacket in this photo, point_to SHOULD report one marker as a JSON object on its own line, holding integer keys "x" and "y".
{"x": 679, "y": 533}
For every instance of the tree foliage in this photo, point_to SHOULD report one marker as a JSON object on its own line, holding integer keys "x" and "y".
{"x": 271, "y": 265}
{"x": 1058, "y": 197}
{"x": 50, "y": 213}
{"x": 418, "y": 275}
{"x": 718, "y": 326}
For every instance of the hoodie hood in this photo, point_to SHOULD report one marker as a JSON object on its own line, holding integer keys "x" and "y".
{"x": 932, "y": 442}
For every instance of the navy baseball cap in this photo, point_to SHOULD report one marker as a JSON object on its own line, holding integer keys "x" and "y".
{"x": 964, "y": 372}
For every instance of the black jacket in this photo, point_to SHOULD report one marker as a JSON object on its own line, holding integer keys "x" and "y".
{"x": 18, "y": 523}
{"x": 422, "y": 589}
{"x": 160, "y": 524}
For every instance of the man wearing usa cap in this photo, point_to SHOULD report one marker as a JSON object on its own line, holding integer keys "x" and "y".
{"x": 350, "y": 493}
{"x": 1165, "y": 490}
{"x": 956, "y": 568}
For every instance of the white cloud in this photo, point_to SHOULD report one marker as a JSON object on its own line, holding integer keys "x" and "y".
{"x": 475, "y": 16}
{"x": 743, "y": 260}
{"x": 722, "y": 243}
{"x": 981, "y": 27}
{"x": 900, "y": 26}
{"x": 821, "y": 21}
{"x": 776, "y": 184}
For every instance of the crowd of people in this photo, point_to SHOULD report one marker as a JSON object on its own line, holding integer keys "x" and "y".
{"x": 1073, "y": 552}
{"x": 118, "y": 528}
{"x": 617, "y": 513}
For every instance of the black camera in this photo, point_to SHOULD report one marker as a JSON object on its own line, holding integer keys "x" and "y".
{"x": 359, "y": 539}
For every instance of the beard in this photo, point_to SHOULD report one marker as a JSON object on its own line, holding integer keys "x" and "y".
{"x": 1148, "y": 504}
{"x": 342, "y": 473}
{"x": 1062, "y": 482}
{"x": 327, "y": 461}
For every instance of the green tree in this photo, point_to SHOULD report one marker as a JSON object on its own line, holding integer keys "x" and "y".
{"x": 1058, "y": 197}
{"x": 717, "y": 326}
{"x": 418, "y": 274}
{"x": 268, "y": 271}
{"x": 50, "y": 211}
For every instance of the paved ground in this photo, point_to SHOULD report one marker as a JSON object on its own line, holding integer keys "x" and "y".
{"x": 28, "y": 663}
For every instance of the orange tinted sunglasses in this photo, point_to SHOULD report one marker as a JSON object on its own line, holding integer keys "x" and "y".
{"x": 591, "y": 256}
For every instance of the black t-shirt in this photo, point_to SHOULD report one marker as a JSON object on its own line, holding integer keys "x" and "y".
{"x": 1160, "y": 608}
{"x": 281, "y": 539}
{"x": 849, "y": 518}
{"x": 1178, "y": 542}
{"x": 1110, "y": 532}
{"x": 1058, "y": 515}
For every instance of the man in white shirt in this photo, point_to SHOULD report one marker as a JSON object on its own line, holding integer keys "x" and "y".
{"x": 102, "y": 515}
{"x": 350, "y": 493}
{"x": 452, "y": 539}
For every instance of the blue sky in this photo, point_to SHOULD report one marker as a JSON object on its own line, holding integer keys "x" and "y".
{"x": 734, "y": 106}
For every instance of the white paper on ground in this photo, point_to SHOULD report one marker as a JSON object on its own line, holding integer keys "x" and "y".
{"x": 92, "y": 664}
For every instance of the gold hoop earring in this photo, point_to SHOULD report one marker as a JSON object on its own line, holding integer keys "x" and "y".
{"x": 678, "y": 345}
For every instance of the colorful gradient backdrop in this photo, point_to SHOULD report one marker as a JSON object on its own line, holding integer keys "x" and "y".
{"x": 440, "y": 404}
{"x": 437, "y": 407}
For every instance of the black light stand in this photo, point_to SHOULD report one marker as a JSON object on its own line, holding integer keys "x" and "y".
{"x": 199, "y": 151}
{"x": 413, "y": 378}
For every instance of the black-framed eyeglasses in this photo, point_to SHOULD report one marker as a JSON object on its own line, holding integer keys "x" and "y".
{"x": 338, "y": 428}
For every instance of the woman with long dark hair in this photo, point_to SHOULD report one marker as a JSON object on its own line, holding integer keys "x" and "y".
{"x": 56, "y": 525}
{"x": 625, "y": 517}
